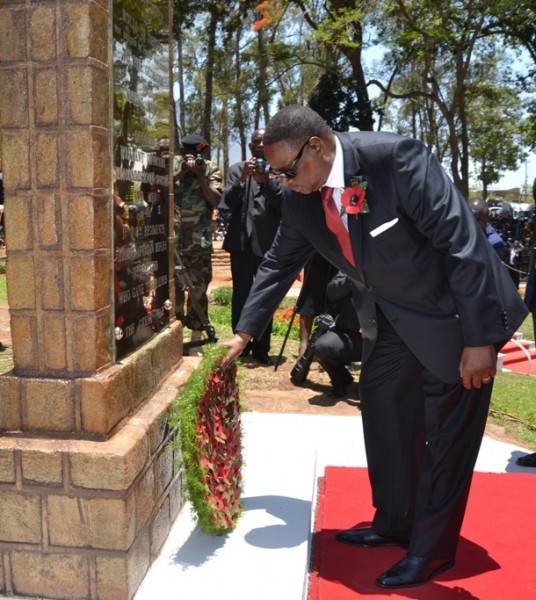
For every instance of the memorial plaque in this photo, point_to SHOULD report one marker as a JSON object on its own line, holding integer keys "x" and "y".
{"x": 141, "y": 170}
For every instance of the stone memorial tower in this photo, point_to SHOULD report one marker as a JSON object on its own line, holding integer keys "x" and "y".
{"x": 88, "y": 484}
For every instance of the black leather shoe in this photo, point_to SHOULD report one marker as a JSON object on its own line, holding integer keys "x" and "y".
{"x": 529, "y": 460}
{"x": 368, "y": 538}
{"x": 262, "y": 358}
{"x": 336, "y": 393}
{"x": 413, "y": 570}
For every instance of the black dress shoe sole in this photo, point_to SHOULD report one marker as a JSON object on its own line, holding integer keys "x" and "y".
{"x": 441, "y": 569}
{"x": 378, "y": 544}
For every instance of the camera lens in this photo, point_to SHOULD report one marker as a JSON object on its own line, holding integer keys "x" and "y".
{"x": 260, "y": 165}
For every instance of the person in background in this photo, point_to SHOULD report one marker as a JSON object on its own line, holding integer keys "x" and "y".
{"x": 515, "y": 254}
{"x": 253, "y": 198}
{"x": 529, "y": 460}
{"x": 197, "y": 190}
{"x": 341, "y": 344}
{"x": 479, "y": 207}
{"x": 313, "y": 299}
{"x": 434, "y": 304}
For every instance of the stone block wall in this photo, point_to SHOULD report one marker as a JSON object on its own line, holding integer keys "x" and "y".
{"x": 88, "y": 407}
{"x": 56, "y": 117}
{"x": 85, "y": 520}
{"x": 88, "y": 484}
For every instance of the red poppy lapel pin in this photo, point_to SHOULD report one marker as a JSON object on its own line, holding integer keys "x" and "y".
{"x": 353, "y": 199}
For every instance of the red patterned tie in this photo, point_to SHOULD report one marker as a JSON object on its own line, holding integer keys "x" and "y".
{"x": 335, "y": 224}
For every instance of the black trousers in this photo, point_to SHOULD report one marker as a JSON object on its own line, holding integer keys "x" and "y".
{"x": 244, "y": 266}
{"x": 334, "y": 350}
{"x": 422, "y": 438}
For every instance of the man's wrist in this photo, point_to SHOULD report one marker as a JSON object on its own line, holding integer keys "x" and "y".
{"x": 245, "y": 337}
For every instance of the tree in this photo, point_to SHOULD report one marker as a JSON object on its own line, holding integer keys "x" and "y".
{"x": 441, "y": 39}
{"x": 494, "y": 115}
{"x": 261, "y": 56}
{"x": 335, "y": 102}
{"x": 337, "y": 25}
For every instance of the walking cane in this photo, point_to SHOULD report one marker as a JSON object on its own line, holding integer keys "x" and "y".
{"x": 294, "y": 311}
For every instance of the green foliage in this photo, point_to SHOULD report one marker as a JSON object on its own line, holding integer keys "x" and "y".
{"x": 527, "y": 329}
{"x": 222, "y": 295}
{"x": 220, "y": 317}
{"x": 335, "y": 102}
{"x": 3, "y": 289}
{"x": 435, "y": 53}
{"x": 529, "y": 127}
{"x": 495, "y": 121}
{"x": 206, "y": 417}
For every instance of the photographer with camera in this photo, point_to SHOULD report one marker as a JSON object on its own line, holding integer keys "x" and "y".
{"x": 334, "y": 343}
{"x": 341, "y": 344}
{"x": 198, "y": 186}
{"x": 253, "y": 198}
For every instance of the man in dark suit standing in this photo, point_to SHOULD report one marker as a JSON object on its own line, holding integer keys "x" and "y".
{"x": 254, "y": 199}
{"x": 434, "y": 304}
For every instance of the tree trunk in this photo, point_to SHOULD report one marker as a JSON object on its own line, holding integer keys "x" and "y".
{"x": 209, "y": 76}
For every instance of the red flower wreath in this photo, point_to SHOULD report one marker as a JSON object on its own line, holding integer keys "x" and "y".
{"x": 208, "y": 418}
{"x": 353, "y": 199}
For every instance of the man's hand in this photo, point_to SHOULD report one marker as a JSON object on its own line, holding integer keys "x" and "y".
{"x": 188, "y": 166}
{"x": 478, "y": 366}
{"x": 236, "y": 346}
{"x": 249, "y": 170}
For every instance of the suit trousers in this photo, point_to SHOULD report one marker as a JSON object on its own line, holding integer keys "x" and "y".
{"x": 422, "y": 438}
{"x": 244, "y": 266}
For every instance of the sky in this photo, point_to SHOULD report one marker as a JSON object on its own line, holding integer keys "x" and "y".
{"x": 526, "y": 173}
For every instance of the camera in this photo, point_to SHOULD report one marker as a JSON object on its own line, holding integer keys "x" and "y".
{"x": 199, "y": 161}
{"x": 301, "y": 369}
{"x": 260, "y": 165}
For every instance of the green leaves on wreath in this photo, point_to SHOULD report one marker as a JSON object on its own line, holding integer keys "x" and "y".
{"x": 207, "y": 415}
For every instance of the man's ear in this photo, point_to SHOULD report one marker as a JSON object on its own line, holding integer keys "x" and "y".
{"x": 317, "y": 145}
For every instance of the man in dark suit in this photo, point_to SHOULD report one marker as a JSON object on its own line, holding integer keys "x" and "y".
{"x": 434, "y": 304}
{"x": 254, "y": 199}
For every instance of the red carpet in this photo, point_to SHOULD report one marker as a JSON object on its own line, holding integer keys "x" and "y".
{"x": 519, "y": 359}
{"x": 496, "y": 557}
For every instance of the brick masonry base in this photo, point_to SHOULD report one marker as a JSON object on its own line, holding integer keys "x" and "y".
{"x": 83, "y": 519}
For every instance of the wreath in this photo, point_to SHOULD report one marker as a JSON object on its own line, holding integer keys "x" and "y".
{"x": 207, "y": 416}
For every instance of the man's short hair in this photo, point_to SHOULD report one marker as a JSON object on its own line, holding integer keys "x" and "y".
{"x": 295, "y": 124}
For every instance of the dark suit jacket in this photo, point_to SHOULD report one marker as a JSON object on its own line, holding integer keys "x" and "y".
{"x": 255, "y": 212}
{"x": 429, "y": 267}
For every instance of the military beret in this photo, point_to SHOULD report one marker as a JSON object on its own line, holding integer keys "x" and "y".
{"x": 194, "y": 140}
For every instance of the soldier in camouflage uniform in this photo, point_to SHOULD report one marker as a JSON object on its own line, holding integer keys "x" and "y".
{"x": 198, "y": 188}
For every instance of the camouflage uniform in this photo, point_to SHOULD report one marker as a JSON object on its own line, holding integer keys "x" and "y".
{"x": 193, "y": 240}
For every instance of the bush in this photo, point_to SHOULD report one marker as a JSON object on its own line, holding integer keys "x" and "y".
{"x": 222, "y": 295}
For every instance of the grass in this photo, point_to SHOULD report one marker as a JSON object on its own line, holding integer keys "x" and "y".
{"x": 3, "y": 289}
{"x": 220, "y": 314}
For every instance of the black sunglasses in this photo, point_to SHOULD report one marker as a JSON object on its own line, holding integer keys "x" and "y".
{"x": 290, "y": 172}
